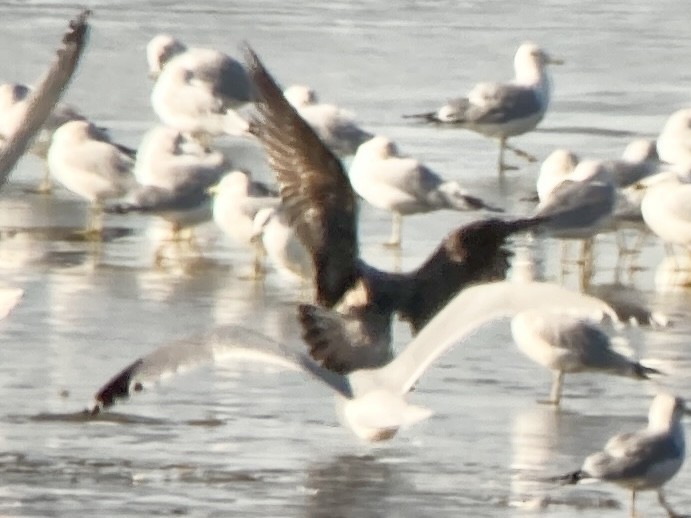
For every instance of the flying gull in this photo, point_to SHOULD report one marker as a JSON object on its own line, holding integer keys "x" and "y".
{"x": 372, "y": 402}
{"x": 321, "y": 205}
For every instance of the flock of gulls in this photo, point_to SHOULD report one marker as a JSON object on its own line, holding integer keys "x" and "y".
{"x": 307, "y": 225}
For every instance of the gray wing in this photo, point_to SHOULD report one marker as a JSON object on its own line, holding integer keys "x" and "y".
{"x": 587, "y": 340}
{"x": 573, "y": 205}
{"x": 224, "y": 343}
{"x": 500, "y": 103}
{"x": 46, "y": 94}
{"x": 503, "y": 103}
{"x": 632, "y": 456}
{"x": 318, "y": 198}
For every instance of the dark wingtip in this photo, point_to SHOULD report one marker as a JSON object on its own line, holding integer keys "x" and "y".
{"x": 119, "y": 387}
{"x": 573, "y": 477}
{"x": 643, "y": 372}
{"x": 119, "y": 208}
{"x": 79, "y": 28}
{"x": 425, "y": 117}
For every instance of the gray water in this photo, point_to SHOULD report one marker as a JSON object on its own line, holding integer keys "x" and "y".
{"x": 220, "y": 441}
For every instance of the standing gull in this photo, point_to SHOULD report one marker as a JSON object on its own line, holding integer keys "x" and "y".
{"x": 568, "y": 344}
{"x": 85, "y": 161}
{"x": 44, "y": 97}
{"x": 371, "y": 400}
{"x": 236, "y": 202}
{"x": 197, "y": 89}
{"x": 504, "y": 110}
{"x": 335, "y": 126}
{"x": 321, "y": 205}
{"x": 389, "y": 180}
{"x": 642, "y": 460}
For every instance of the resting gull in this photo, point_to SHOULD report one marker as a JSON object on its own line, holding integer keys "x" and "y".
{"x": 674, "y": 142}
{"x": 85, "y": 161}
{"x": 569, "y": 344}
{"x": 335, "y": 126}
{"x": 197, "y": 89}
{"x": 173, "y": 183}
{"x": 504, "y": 110}
{"x": 392, "y": 181}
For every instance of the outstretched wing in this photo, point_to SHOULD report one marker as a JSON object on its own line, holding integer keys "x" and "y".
{"x": 470, "y": 310}
{"x": 317, "y": 194}
{"x": 223, "y": 344}
{"x": 46, "y": 94}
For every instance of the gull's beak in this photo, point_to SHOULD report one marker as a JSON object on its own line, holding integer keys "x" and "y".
{"x": 213, "y": 190}
{"x": 554, "y": 61}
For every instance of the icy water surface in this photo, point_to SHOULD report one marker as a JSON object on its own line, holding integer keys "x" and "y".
{"x": 226, "y": 442}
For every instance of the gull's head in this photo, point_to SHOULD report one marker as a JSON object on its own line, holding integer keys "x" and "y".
{"x": 680, "y": 120}
{"x": 78, "y": 131}
{"x": 378, "y": 147}
{"x": 665, "y": 411}
{"x": 300, "y": 95}
{"x": 591, "y": 171}
{"x": 12, "y": 93}
{"x": 163, "y": 139}
{"x": 160, "y": 50}
{"x": 640, "y": 150}
{"x": 377, "y": 415}
{"x": 529, "y": 64}
{"x": 234, "y": 182}
{"x": 556, "y": 167}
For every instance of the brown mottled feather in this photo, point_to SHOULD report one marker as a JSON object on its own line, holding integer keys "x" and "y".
{"x": 46, "y": 94}
{"x": 315, "y": 188}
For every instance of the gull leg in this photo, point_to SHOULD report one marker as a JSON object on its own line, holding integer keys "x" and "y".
{"x": 665, "y": 505}
{"x": 501, "y": 165}
{"x": 258, "y": 258}
{"x": 555, "y": 392}
{"x": 46, "y": 184}
{"x": 395, "y": 241}
{"x": 520, "y": 153}
{"x": 586, "y": 263}
{"x": 563, "y": 259}
{"x": 94, "y": 225}
{"x": 633, "y": 503}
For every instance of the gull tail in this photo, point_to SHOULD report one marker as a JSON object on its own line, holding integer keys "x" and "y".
{"x": 458, "y": 198}
{"x": 643, "y": 373}
{"x": 573, "y": 477}
{"x": 427, "y": 116}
